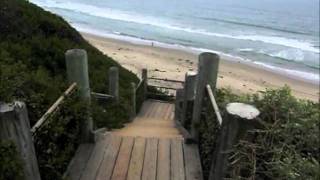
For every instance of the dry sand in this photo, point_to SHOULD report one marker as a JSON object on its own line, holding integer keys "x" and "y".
{"x": 173, "y": 64}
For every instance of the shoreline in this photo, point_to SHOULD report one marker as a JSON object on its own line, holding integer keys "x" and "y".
{"x": 162, "y": 62}
{"x": 287, "y": 72}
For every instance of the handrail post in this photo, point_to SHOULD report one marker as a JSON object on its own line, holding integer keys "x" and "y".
{"x": 133, "y": 100}
{"x": 15, "y": 126}
{"x": 178, "y": 103}
{"x": 238, "y": 120}
{"x": 144, "y": 77}
{"x": 114, "y": 82}
{"x": 77, "y": 70}
{"x": 188, "y": 97}
{"x": 207, "y": 74}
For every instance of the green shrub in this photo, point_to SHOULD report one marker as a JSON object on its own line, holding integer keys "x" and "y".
{"x": 32, "y": 69}
{"x": 58, "y": 138}
{"x": 10, "y": 163}
{"x": 287, "y": 145}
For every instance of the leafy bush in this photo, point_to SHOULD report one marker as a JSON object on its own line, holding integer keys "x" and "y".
{"x": 10, "y": 163}
{"x": 32, "y": 69}
{"x": 57, "y": 140}
{"x": 286, "y": 146}
{"x": 32, "y": 47}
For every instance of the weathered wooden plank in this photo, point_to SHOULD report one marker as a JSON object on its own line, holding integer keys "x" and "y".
{"x": 192, "y": 161}
{"x": 95, "y": 160}
{"x": 171, "y": 117}
{"x": 109, "y": 159}
{"x": 166, "y": 110}
{"x": 122, "y": 163}
{"x": 153, "y": 109}
{"x": 150, "y": 160}
{"x": 79, "y": 162}
{"x": 137, "y": 158}
{"x": 163, "y": 169}
{"x": 177, "y": 165}
{"x": 149, "y": 109}
{"x": 170, "y": 111}
{"x": 144, "y": 109}
{"x": 158, "y": 111}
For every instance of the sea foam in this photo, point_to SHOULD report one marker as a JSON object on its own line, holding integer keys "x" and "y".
{"x": 154, "y": 21}
{"x": 307, "y": 76}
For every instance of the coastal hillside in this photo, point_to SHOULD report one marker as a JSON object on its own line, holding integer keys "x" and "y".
{"x": 32, "y": 47}
{"x": 32, "y": 70}
{"x": 264, "y": 132}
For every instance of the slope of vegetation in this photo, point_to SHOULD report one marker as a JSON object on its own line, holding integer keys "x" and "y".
{"x": 32, "y": 69}
{"x": 286, "y": 146}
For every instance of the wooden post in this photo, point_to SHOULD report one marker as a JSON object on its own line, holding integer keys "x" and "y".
{"x": 144, "y": 77}
{"x": 133, "y": 100}
{"x": 188, "y": 97}
{"x": 239, "y": 119}
{"x": 178, "y": 104}
{"x": 15, "y": 126}
{"x": 77, "y": 70}
{"x": 207, "y": 74}
{"x": 114, "y": 82}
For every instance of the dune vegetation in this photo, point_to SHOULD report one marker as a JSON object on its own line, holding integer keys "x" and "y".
{"x": 32, "y": 68}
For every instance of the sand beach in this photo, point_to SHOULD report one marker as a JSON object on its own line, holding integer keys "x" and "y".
{"x": 173, "y": 64}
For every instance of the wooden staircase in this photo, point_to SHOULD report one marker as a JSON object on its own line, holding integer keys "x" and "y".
{"x": 149, "y": 148}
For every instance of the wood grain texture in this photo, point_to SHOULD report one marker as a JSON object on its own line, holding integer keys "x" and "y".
{"x": 109, "y": 159}
{"x": 147, "y": 149}
{"x": 163, "y": 169}
{"x": 192, "y": 161}
{"x": 137, "y": 158}
{"x": 95, "y": 160}
{"x": 150, "y": 160}
{"x": 122, "y": 163}
{"x": 177, "y": 162}
{"x": 79, "y": 161}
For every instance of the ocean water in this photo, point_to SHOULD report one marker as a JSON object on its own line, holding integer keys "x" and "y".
{"x": 278, "y": 35}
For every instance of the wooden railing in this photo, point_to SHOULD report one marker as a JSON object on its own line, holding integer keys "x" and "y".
{"x": 53, "y": 108}
{"x": 194, "y": 99}
{"x": 140, "y": 93}
{"x": 163, "y": 88}
{"x": 214, "y": 103}
{"x": 174, "y": 84}
{"x": 15, "y": 125}
{"x": 196, "y": 104}
{"x": 167, "y": 80}
{"x": 102, "y": 96}
{"x": 22, "y": 135}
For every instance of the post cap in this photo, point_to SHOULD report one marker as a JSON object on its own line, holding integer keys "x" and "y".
{"x": 242, "y": 110}
{"x": 76, "y": 52}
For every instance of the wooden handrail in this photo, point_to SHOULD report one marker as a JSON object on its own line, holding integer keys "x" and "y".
{"x": 169, "y": 80}
{"x": 163, "y": 87}
{"x": 140, "y": 83}
{"x": 49, "y": 112}
{"x": 101, "y": 96}
{"x": 214, "y": 103}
